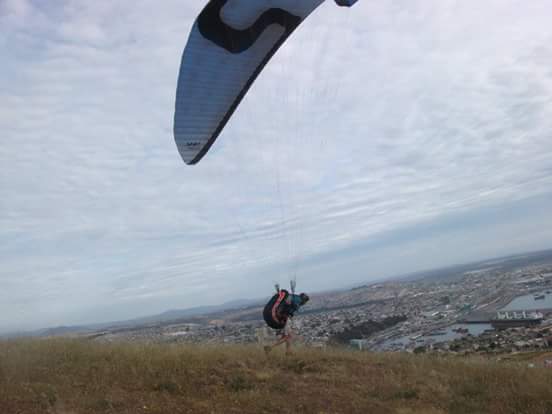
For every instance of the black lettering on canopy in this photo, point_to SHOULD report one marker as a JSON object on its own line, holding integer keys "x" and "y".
{"x": 212, "y": 27}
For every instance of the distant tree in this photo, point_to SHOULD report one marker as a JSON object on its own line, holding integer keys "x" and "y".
{"x": 366, "y": 329}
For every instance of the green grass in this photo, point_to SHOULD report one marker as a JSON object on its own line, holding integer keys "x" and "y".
{"x": 59, "y": 376}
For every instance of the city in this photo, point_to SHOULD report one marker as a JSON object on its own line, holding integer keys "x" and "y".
{"x": 452, "y": 314}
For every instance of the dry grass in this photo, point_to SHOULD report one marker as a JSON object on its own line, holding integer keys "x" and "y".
{"x": 72, "y": 376}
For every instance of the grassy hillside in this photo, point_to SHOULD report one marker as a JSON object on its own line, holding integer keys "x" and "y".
{"x": 71, "y": 376}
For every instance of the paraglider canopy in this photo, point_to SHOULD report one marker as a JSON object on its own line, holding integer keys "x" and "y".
{"x": 229, "y": 45}
{"x": 347, "y": 3}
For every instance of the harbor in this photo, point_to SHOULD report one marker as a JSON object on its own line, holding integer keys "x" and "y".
{"x": 540, "y": 301}
{"x": 478, "y": 323}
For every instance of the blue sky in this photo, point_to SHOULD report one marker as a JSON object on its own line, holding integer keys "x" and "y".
{"x": 383, "y": 139}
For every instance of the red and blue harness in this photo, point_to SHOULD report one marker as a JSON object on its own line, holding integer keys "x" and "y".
{"x": 272, "y": 313}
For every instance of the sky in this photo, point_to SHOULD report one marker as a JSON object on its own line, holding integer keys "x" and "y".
{"x": 384, "y": 139}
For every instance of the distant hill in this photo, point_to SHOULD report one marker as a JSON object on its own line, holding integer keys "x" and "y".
{"x": 164, "y": 317}
{"x": 506, "y": 263}
{"x": 177, "y": 314}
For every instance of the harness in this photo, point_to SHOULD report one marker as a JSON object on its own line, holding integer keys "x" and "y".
{"x": 270, "y": 312}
